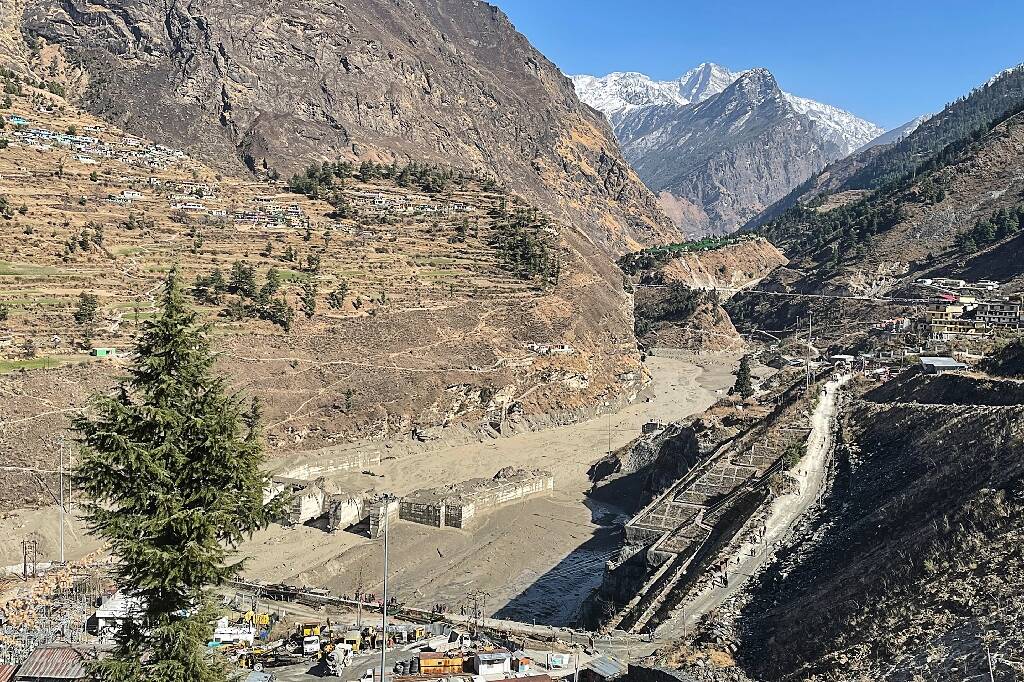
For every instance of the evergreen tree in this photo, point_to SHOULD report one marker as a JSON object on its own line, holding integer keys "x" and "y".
{"x": 171, "y": 478}
{"x": 85, "y": 312}
{"x": 336, "y": 299}
{"x": 744, "y": 386}
{"x": 309, "y": 292}
{"x": 243, "y": 279}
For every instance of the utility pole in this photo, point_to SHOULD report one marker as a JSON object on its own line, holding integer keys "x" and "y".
{"x": 384, "y": 607}
{"x": 61, "y": 484}
{"x": 807, "y": 373}
{"x": 359, "y": 599}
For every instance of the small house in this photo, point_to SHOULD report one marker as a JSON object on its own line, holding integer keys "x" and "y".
{"x": 437, "y": 663}
{"x": 938, "y": 365}
{"x": 495, "y": 662}
{"x": 111, "y": 613}
{"x": 58, "y": 663}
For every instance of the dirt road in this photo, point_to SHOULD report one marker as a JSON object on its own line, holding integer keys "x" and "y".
{"x": 783, "y": 514}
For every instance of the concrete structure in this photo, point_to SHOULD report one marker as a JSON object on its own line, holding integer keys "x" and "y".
{"x": 938, "y": 365}
{"x": 1005, "y": 313}
{"x": 113, "y": 612}
{"x": 344, "y": 511}
{"x": 308, "y": 498}
{"x": 457, "y": 505}
{"x": 380, "y": 508}
{"x": 497, "y": 662}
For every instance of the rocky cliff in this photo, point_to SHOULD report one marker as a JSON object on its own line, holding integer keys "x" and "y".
{"x": 273, "y": 87}
{"x": 717, "y": 164}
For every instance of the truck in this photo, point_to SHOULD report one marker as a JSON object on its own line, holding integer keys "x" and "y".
{"x": 308, "y": 629}
{"x": 338, "y": 656}
{"x": 311, "y": 646}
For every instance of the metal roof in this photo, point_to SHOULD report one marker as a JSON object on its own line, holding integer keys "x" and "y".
{"x": 940, "y": 361}
{"x": 607, "y": 667}
{"x": 256, "y": 676}
{"x": 7, "y": 672}
{"x": 488, "y": 656}
{"x": 56, "y": 662}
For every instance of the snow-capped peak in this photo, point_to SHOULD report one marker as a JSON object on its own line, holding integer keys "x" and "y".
{"x": 836, "y": 125}
{"x": 619, "y": 93}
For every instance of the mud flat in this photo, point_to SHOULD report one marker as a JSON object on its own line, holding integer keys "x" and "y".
{"x": 535, "y": 559}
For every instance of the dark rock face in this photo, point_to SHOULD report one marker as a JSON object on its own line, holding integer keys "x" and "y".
{"x": 276, "y": 85}
{"x": 719, "y": 163}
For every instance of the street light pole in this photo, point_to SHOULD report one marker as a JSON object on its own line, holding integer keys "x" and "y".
{"x": 61, "y": 484}
{"x": 384, "y": 607}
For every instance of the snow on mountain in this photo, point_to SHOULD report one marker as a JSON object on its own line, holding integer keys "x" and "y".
{"x": 618, "y": 94}
{"x": 836, "y": 125}
{"x": 897, "y": 133}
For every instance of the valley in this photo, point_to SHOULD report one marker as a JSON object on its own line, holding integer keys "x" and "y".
{"x": 352, "y": 334}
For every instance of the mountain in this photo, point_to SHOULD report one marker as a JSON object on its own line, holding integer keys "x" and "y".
{"x": 618, "y": 94}
{"x": 470, "y": 211}
{"x": 896, "y": 154}
{"x": 718, "y": 163}
{"x": 713, "y": 175}
{"x": 437, "y": 80}
{"x": 896, "y": 134}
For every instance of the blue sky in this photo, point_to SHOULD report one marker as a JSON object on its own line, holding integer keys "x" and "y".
{"x": 885, "y": 61}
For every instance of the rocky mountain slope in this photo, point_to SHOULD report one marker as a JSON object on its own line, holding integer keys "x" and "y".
{"x": 241, "y": 84}
{"x": 897, "y": 134}
{"x": 894, "y": 155}
{"x": 719, "y": 147}
{"x": 718, "y": 163}
{"x": 362, "y": 300}
{"x": 958, "y": 215}
{"x": 928, "y": 500}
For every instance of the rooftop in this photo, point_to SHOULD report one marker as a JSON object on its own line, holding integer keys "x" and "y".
{"x": 940, "y": 361}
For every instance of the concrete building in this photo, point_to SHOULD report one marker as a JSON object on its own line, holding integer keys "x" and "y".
{"x": 497, "y": 662}
{"x": 308, "y": 498}
{"x": 1005, "y": 313}
{"x": 382, "y": 508}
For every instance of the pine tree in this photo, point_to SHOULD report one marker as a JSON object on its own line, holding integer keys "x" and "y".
{"x": 744, "y": 386}
{"x": 336, "y": 299}
{"x": 309, "y": 294}
{"x": 170, "y": 477}
{"x": 88, "y": 304}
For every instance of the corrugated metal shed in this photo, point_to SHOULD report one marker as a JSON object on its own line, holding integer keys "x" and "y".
{"x": 607, "y": 667}
{"x": 7, "y": 672}
{"x": 56, "y": 662}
